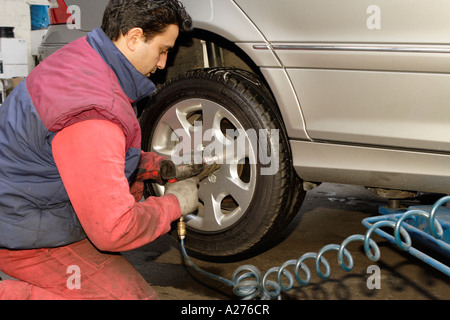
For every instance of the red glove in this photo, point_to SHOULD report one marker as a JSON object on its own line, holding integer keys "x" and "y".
{"x": 148, "y": 169}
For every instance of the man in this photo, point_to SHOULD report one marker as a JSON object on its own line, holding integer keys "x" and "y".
{"x": 69, "y": 145}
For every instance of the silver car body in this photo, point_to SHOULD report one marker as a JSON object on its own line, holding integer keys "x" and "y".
{"x": 362, "y": 86}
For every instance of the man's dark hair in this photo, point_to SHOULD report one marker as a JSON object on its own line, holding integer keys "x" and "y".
{"x": 152, "y": 16}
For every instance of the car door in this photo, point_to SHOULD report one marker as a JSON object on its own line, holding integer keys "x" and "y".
{"x": 365, "y": 72}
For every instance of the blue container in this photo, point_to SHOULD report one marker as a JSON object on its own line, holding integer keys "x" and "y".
{"x": 39, "y": 17}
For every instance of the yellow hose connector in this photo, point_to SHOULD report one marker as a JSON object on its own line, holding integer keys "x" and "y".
{"x": 181, "y": 229}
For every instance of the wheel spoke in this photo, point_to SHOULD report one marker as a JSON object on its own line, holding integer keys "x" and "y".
{"x": 215, "y": 214}
{"x": 211, "y": 115}
{"x": 212, "y": 215}
{"x": 177, "y": 121}
{"x": 176, "y": 129}
{"x": 230, "y": 184}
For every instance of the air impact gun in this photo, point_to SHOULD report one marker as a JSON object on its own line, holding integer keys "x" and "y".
{"x": 171, "y": 172}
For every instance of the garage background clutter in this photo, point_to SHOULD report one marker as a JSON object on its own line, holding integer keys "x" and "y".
{"x": 23, "y": 23}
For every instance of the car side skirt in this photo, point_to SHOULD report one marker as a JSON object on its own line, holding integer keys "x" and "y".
{"x": 371, "y": 166}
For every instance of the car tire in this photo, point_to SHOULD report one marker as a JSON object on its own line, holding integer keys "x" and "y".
{"x": 244, "y": 208}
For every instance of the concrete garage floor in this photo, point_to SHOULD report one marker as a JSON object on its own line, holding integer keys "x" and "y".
{"x": 330, "y": 214}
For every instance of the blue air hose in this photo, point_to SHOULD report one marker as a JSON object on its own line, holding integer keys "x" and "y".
{"x": 247, "y": 282}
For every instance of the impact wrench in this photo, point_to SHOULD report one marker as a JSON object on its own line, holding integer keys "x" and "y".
{"x": 171, "y": 172}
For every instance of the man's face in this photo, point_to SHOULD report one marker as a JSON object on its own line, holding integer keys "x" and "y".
{"x": 152, "y": 55}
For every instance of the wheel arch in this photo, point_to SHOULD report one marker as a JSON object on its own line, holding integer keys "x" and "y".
{"x": 189, "y": 55}
{"x": 193, "y": 48}
{"x": 204, "y": 49}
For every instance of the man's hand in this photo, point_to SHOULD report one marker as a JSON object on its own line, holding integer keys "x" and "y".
{"x": 186, "y": 192}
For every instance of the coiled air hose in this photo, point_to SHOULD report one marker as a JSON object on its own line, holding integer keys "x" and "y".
{"x": 248, "y": 284}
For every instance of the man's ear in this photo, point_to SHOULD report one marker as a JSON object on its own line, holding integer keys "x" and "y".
{"x": 133, "y": 37}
